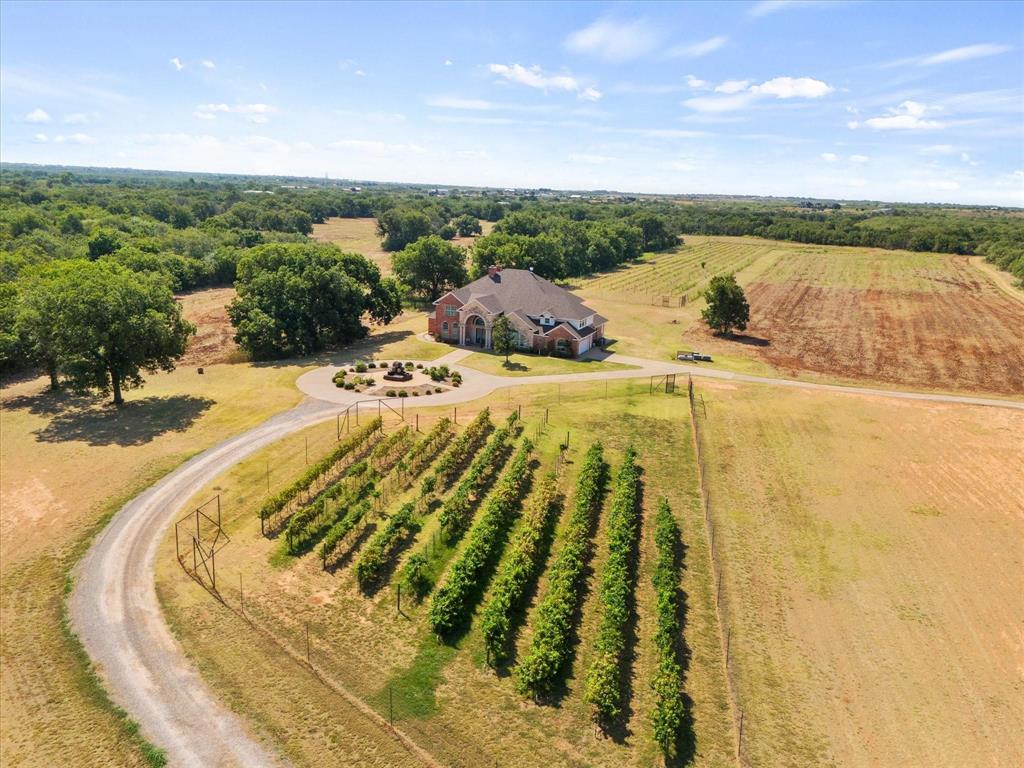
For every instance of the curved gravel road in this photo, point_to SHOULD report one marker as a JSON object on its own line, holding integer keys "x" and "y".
{"x": 116, "y": 613}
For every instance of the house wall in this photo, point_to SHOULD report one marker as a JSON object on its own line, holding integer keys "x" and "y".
{"x": 436, "y": 322}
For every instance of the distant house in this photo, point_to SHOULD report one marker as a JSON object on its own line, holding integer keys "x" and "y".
{"x": 545, "y": 318}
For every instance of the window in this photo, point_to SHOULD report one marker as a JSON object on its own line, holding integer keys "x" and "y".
{"x": 444, "y": 327}
{"x": 450, "y": 310}
{"x": 479, "y": 320}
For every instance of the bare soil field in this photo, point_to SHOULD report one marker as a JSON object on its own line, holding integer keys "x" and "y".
{"x": 446, "y": 698}
{"x": 873, "y": 553}
{"x": 852, "y": 315}
{"x": 67, "y": 463}
{"x": 360, "y": 236}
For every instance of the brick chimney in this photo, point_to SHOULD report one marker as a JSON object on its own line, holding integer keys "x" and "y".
{"x": 493, "y": 270}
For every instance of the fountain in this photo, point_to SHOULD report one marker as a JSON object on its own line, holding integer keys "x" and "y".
{"x": 397, "y": 372}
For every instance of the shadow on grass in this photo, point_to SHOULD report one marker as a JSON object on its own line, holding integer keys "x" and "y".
{"x": 745, "y": 339}
{"x": 91, "y": 420}
{"x": 685, "y": 747}
{"x": 511, "y": 366}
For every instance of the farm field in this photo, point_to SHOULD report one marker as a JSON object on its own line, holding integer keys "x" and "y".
{"x": 68, "y": 463}
{"x": 872, "y": 553}
{"x": 214, "y": 340}
{"x": 445, "y": 697}
{"x": 894, "y": 318}
{"x": 360, "y": 236}
{"x": 536, "y": 365}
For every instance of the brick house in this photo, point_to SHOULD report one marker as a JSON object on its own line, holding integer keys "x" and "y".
{"x": 546, "y": 319}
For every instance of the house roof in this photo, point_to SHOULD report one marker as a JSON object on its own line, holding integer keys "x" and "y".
{"x": 511, "y": 290}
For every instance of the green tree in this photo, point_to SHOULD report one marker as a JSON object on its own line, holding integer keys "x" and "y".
{"x": 299, "y": 298}
{"x": 503, "y": 337}
{"x": 37, "y": 316}
{"x": 401, "y": 226}
{"x": 113, "y": 323}
{"x": 467, "y": 225}
{"x": 102, "y": 243}
{"x": 727, "y": 305}
{"x": 430, "y": 266}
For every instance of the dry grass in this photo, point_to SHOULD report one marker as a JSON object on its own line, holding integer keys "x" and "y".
{"x": 67, "y": 462}
{"x": 536, "y": 365}
{"x": 445, "y": 698}
{"x": 872, "y": 552}
{"x": 214, "y": 340}
{"x": 360, "y": 236}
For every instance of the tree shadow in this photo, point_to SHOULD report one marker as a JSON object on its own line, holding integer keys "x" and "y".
{"x": 511, "y": 366}
{"x": 746, "y": 339}
{"x": 90, "y": 420}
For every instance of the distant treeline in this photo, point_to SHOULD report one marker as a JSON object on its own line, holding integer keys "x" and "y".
{"x": 194, "y": 231}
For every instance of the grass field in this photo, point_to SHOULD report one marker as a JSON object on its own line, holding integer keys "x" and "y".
{"x": 536, "y": 365}
{"x": 872, "y": 553}
{"x": 360, "y": 236}
{"x": 69, "y": 461}
{"x": 900, "y": 319}
{"x": 446, "y": 698}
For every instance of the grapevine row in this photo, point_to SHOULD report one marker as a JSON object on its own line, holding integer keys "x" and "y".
{"x": 457, "y": 453}
{"x": 521, "y": 568}
{"x": 375, "y": 558}
{"x": 603, "y": 685}
{"x": 669, "y": 707}
{"x": 282, "y": 498}
{"x": 305, "y": 524}
{"x": 454, "y": 600}
{"x": 415, "y": 461}
{"x": 458, "y": 507}
{"x": 550, "y": 647}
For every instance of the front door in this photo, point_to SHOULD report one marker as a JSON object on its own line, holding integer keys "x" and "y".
{"x": 481, "y": 335}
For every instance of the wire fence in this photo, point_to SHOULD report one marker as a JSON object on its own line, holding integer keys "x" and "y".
{"x": 698, "y": 417}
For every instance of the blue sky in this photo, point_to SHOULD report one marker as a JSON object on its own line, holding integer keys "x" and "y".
{"x": 892, "y": 101}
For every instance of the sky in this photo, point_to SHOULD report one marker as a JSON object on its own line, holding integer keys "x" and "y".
{"x": 907, "y": 102}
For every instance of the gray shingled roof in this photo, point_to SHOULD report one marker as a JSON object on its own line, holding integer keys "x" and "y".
{"x": 521, "y": 289}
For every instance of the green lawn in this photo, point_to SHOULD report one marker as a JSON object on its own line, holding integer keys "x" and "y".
{"x": 536, "y": 365}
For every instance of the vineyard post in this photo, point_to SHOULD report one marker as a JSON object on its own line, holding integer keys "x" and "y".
{"x": 417, "y": 418}
{"x": 357, "y": 414}
{"x": 403, "y": 411}
{"x": 455, "y": 415}
{"x": 519, "y": 409}
{"x": 545, "y": 415}
{"x": 378, "y": 408}
{"x": 739, "y": 741}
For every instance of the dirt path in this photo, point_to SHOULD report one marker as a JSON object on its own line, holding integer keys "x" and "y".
{"x": 114, "y": 605}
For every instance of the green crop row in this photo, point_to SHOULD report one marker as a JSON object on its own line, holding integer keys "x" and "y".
{"x": 457, "y": 453}
{"x": 457, "y": 510}
{"x": 603, "y": 685}
{"x": 551, "y": 644}
{"x": 305, "y": 524}
{"x": 521, "y": 568}
{"x": 377, "y": 554}
{"x": 453, "y": 601}
{"x": 669, "y": 707}
{"x": 280, "y": 500}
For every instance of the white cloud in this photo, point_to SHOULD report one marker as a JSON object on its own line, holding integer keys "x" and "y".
{"x": 360, "y": 73}
{"x": 615, "y": 40}
{"x": 937, "y": 149}
{"x": 965, "y": 53}
{"x": 76, "y": 118}
{"x": 447, "y": 62}
{"x": 257, "y": 113}
{"x": 376, "y": 148}
{"x": 766, "y": 7}
{"x": 38, "y": 115}
{"x": 859, "y": 159}
{"x": 829, "y": 157}
{"x": 696, "y": 83}
{"x": 177, "y": 64}
{"x": 534, "y": 77}
{"x": 696, "y": 50}
{"x": 590, "y": 94}
{"x": 40, "y": 138}
{"x": 587, "y": 159}
{"x": 208, "y": 64}
{"x": 732, "y": 86}
{"x": 737, "y": 94}
{"x": 793, "y": 87}
{"x": 908, "y": 116}
{"x": 75, "y": 138}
